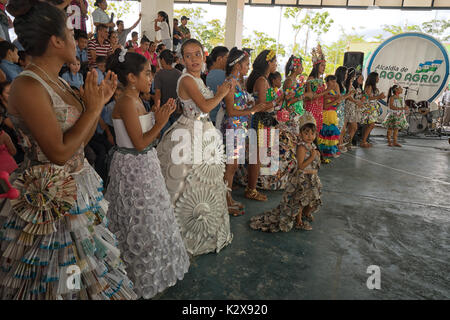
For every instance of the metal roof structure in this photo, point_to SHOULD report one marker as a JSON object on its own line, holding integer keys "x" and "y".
{"x": 349, "y": 4}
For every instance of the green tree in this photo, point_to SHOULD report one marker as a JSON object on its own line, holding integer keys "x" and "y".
{"x": 211, "y": 33}
{"x": 438, "y": 28}
{"x": 259, "y": 41}
{"x": 311, "y": 22}
{"x": 120, "y": 8}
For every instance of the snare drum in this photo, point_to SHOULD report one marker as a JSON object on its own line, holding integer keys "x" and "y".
{"x": 423, "y": 104}
{"x": 411, "y": 104}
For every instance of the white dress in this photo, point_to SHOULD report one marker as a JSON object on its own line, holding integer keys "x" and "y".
{"x": 197, "y": 190}
{"x": 141, "y": 216}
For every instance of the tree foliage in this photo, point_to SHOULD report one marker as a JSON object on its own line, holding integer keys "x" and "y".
{"x": 259, "y": 41}
{"x": 120, "y": 8}
{"x": 437, "y": 28}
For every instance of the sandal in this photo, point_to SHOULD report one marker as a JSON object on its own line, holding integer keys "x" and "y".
{"x": 254, "y": 195}
{"x": 309, "y": 217}
{"x": 303, "y": 226}
{"x": 235, "y": 211}
{"x": 325, "y": 161}
{"x": 232, "y": 203}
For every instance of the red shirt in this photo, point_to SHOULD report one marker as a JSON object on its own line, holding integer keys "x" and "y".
{"x": 146, "y": 54}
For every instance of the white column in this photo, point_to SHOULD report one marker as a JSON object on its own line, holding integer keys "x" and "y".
{"x": 150, "y": 9}
{"x": 234, "y": 26}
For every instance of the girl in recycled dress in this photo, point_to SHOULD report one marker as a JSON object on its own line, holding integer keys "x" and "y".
{"x": 140, "y": 209}
{"x": 192, "y": 159}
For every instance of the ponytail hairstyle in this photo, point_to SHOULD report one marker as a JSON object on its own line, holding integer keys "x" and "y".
{"x": 192, "y": 41}
{"x": 260, "y": 66}
{"x": 392, "y": 91}
{"x": 234, "y": 57}
{"x": 351, "y": 73}
{"x": 35, "y": 23}
{"x": 340, "y": 77}
{"x": 132, "y": 63}
{"x": 217, "y": 52}
{"x": 166, "y": 19}
{"x": 292, "y": 64}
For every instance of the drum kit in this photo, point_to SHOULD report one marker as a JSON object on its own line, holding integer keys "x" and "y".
{"x": 424, "y": 116}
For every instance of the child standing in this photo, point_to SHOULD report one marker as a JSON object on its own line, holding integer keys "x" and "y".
{"x": 396, "y": 118}
{"x": 195, "y": 178}
{"x": 302, "y": 195}
{"x": 329, "y": 134}
{"x": 73, "y": 77}
{"x": 239, "y": 110}
{"x": 141, "y": 214}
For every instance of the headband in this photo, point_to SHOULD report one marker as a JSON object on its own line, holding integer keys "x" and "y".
{"x": 242, "y": 56}
{"x": 270, "y": 55}
{"x": 296, "y": 62}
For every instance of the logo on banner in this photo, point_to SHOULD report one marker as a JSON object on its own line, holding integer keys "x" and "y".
{"x": 412, "y": 60}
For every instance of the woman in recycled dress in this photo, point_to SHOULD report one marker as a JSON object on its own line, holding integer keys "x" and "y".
{"x": 57, "y": 227}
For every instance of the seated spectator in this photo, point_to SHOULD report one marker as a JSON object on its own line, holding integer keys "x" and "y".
{"x": 100, "y": 17}
{"x": 160, "y": 48}
{"x": 123, "y": 33}
{"x": 143, "y": 49}
{"x": 133, "y": 43}
{"x": 24, "y": 59}
{"x": 101, "y": 68}
{"x": 99, "y": 47}
{"x": 9, "y": 57}
{"x": 73, "y": 77}
{"x": 114, "y": 40}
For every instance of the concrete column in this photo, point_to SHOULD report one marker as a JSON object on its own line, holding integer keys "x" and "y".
{"x": 234, "y": 26}
{"x": 150, "y": 9}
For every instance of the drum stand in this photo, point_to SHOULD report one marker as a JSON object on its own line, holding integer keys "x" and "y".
{"x": 440, "y": 130}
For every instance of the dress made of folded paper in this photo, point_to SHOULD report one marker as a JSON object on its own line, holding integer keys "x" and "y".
{"x": 351, "y": 110}
{"x": 301, "y": 190}
{"x": 194, "y": 176}
{"x": 56, "y": 231}
{"x": 370, "y": 111}
{"x": 142, "y": 217}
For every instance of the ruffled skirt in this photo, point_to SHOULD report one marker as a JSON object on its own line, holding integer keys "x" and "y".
{"x": 329, "y": 134}
{"x": 301, "y": 190}
{"x": 395, "y": 121}
{"x": 72, "y": 257}
{"x": 197, "y": 190}
{"x": 142, "y": 218}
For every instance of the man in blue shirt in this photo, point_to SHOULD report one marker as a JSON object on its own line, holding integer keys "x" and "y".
{"x": 9, "y": 57}
{"x": 217, "y": 62}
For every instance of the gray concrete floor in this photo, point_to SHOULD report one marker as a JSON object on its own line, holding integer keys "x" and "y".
{"x": 393, "y": 212}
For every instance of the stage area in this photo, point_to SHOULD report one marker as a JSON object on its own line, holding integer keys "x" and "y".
{"x": 382, "y": 206}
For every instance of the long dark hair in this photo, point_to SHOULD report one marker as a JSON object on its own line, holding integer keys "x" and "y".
{"x": 351, "y": 72}
{"x": 134, "y": 63}
{"x": 315, "y": 71}
{"x": 371, "y": 81}
{"x": 35, "y": 23}
{"x": 166, "y": 19}
{"x": 260, "y": 66}
{"x": 356, "y": 85}
{"x": 217, "y": 52}
{"x": 234, "y": 54}
{"x": 340, "y": 77}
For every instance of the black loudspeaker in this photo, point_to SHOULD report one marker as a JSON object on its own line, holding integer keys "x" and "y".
{"x": 354, "y": 59}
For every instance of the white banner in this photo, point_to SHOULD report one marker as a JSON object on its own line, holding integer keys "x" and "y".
{"x": 413, "y": 60}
